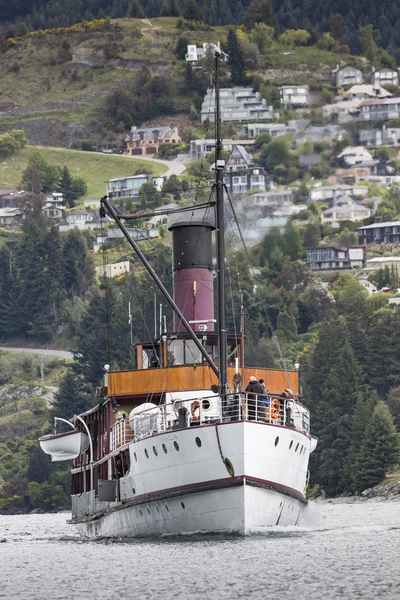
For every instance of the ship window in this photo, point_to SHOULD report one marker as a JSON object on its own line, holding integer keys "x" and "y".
{"x": 164, "y": 447}
{"x": 141, "y": 514}
{"x": 158, "y": 510}
{"x": 183, "y": 505}
{"x": 146, "y": 453}
{"x": 167, "y": 508}
{"x": 206, "y": 404}
{"x": 176, "y": 353}
{"x": 276, "y": 440}
{"x": 155, "y": 450}
{"x": 290, "y": 445}
{"x": 198, "y": 442}
{"x": 133, "y": 491}
{"x": 192, "y": 353}
{"x": 176, "y": 445}
{"x": 148, "y": 510}
{"x": 297, "y": 447}
{"x": 134, "y": 456}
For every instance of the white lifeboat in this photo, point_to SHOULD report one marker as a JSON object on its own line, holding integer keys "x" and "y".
{"x": 64, "y": 446}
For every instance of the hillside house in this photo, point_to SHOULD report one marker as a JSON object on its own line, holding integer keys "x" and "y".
{"x": 387, "y": 232}
{"x": 81, "y": 219}
{"x": 370, "y": 287}
{"x": 385, "y": 76}
{"x": 274, "y": 129}
{"x": 320, "y": 133}
{"x": 195, "y": 53}
{"x": 366, "y": 91}
{"x": 323, "y": 193}
{"x": 241, "y": 175}
{"x": 380, "y": 110}
{"x": 201, "y": 148}
{"x": 353, "y": 155}
{"x": 344, "y": 209}
{"x": 294, "y": 96}
{"x": 114, "y": 269}
{"x": 381, "y": 262}
{"x": 53, "y": 206}
{"x": 347, "y": 75}
{"x": 146, "y": 140}
{"x": 128, "y": 187}
{"x": 328, "y": 258}
{"x": 364, "y": 171}
{"x": 344, "y": 111}
{"x": 11, "y": 216}
{"x": 238, "y": 104}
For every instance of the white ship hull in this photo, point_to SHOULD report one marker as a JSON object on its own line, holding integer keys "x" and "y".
{"x": 189, "y": 488}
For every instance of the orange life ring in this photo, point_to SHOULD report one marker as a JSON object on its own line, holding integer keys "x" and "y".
{"x": 275, "y": 408}
{"x": 193, "y": 408}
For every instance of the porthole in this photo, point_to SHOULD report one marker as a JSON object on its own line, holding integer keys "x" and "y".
{"x": 277, "y": 440}
{"x": 146, "y": 453}
{"x": 301, "y": 449}
{"x": 183, "y": 505}
{"x": 206, "y": 404}
{"x": 290, "y": 445}
{"x": 141, "y": 514}
{"x": 297, "y": 447}
{"x": 164, "y": 447}
{"x": 133, "y": 491}
{"x": 167, "y": 508}
{"x": 280, "y": 505}
{"x": 198, "y": 441}
{"x": 148, "y": 510}
{"x": 134, "y": 456}
{"x": 176, "y": 445}
{"x": 158, "y": 510}
{"x": 155, "y": 450}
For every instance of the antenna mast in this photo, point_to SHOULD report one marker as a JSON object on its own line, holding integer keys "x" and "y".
{"x": 219, "y": 218}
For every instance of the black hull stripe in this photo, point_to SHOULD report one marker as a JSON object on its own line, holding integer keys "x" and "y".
{"x": 194, "y": 488}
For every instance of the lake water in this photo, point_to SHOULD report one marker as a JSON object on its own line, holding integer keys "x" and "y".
{"x": 345, "y": 551}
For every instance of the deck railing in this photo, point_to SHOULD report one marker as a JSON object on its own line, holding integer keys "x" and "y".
{"x": 198, "y": 412}
{"x": 121, "y": 433}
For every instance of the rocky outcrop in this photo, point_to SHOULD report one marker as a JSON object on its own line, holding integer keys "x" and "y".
{"x": 387, "y": 491}
{"x": 23, "y": 409}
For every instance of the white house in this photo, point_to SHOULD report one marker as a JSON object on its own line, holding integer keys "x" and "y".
{"x": 196, "y": 53}
{"x": 385, "y": 76}
{"x": 203, "y": 147}
{"x": 81, "y": 219}
{"x": 365, "y": 91}
{"x": 344, "y": 209}
{"x": 370, "y": 287}
{"x": 347, "y": 75}
{"x": 294, "y": 96}
{"x": 128, "y": 187}
{"x": 53, "y": 206}
{"x": 237, "y": 104}
{"x": 114, "y": 269}
{"x": 241, "y": 175}
{"x": 352, "y": 155}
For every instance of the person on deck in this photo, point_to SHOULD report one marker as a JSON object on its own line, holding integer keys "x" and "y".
{"x": 289, "y": 397}
{"x": 255, "y": 405}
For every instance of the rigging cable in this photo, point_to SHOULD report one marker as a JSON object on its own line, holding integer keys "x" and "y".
{"x": 106, "y": 286}
{"x": 273, "y": 332}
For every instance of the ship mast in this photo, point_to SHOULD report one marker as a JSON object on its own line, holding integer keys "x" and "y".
{"x": 220, "y": 234}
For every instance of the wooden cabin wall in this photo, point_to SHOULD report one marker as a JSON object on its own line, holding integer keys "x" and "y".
{"x": 192, "y": 377}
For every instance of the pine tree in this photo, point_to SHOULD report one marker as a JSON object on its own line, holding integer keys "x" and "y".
{"x": 64, "y": 185}
{"x": 292, "y": 245}
{"x": 236, "y": 58}
{"x": 135, "y": 10}
{"x": 193, "y": 12}
{"x": 70, "y": 399}
{"x": 331, "y": 386}
{"x": 379, "y": 450}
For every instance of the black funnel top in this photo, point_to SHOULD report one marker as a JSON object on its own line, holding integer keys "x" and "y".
{"x": 191, "y": 242}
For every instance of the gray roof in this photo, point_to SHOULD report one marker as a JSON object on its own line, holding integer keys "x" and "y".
{"x": 308, "y": 160}
{"x": 376, "y": 225}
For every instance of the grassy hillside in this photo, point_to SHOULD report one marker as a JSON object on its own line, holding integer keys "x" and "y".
{"x": 54, "y": 84}
{"x": 95, "y": 168}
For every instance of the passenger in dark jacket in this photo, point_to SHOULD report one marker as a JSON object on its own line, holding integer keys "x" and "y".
{"x": 255, "y": 405}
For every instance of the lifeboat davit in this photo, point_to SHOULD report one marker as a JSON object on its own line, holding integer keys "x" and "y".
{"x": 64, "y": 446}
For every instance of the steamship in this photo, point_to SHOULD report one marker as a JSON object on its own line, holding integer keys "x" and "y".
{"x": 177, "y": 445}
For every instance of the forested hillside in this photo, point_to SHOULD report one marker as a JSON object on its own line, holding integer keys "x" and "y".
{"x": 317, "y": 17}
